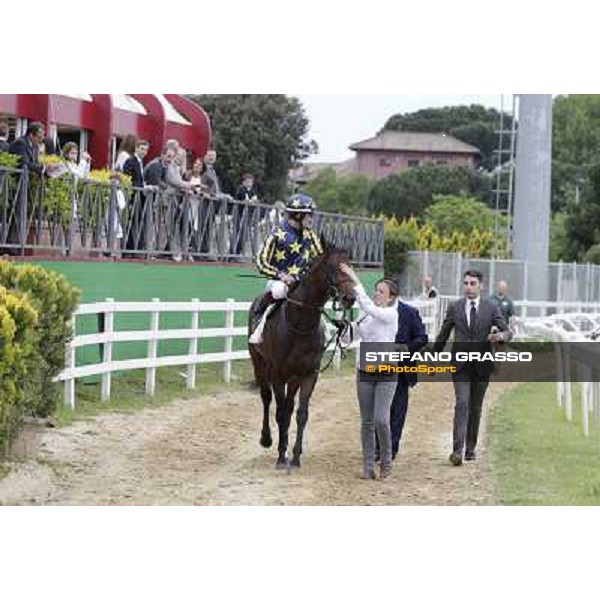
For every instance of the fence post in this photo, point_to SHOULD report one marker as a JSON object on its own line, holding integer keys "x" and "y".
{"x": 458, "y": 278}
{"x": 559, "y": 287}
{"x": 229, "y": 323}
{"x": 193, "y": 350}
{"x": 525, "y": 288}
{"x": 567, "y": 373}
{"x": 560, "y": 379}
{"x": 70, "y": 364}
{"x": 152, "y": 349}
{"x": 23, "y": 209}
{"x": 107, "y": 351}
{"x": 585, "y": 374}
{"x": 596, "y": 399}
{"x": 492, "y": 279}
{"x": 112, "y": 218}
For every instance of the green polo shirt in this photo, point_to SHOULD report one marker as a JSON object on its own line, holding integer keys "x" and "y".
{"x": 506, "y": 306}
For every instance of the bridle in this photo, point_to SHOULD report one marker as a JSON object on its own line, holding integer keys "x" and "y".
{"x": 342, "y": 325}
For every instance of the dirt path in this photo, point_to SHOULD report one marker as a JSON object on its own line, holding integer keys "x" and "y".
{"x": 205, "y": 451}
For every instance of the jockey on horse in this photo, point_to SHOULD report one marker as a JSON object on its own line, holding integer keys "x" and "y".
{"x": 284, "y": 255}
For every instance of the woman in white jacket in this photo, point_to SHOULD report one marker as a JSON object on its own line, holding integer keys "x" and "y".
{"x": 70, "y": 152}
{"x": 377, "y": 322}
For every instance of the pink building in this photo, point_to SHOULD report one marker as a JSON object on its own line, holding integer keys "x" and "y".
{"x": 394, "y": 151}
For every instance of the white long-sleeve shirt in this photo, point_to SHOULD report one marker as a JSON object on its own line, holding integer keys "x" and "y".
{"x": 374, "y": 323}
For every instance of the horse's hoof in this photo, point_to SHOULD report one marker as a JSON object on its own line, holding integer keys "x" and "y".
{"x": 295, "y": 464}
{"x": 266, "y": 441}
{"x": 282, "y": 465}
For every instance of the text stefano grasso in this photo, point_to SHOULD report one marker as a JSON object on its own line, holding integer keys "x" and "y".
{"x": 449, "y": 356}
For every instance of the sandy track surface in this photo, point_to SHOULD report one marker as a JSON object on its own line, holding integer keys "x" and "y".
{"x": 205, "y": 451}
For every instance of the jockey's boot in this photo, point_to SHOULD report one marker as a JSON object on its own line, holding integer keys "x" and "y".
{"x": 265, "y": 302}
{"x": 260, "y": 318}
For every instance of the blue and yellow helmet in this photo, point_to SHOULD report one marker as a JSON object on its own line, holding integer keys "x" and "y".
{"x": 300, "y": 203}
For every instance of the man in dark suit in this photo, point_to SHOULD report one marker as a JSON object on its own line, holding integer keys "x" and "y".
{"x": 27, "y": 147}
{"x": 134, "y": 165}
{"x": 136, "y": 227}
{"x": 477, "y": 322}
{"x": 411, "y": 332}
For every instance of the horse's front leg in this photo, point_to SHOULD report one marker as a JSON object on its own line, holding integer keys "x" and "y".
{"x": 307, "y": 386}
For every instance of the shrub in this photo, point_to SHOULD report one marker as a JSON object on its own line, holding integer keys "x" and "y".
{"x": 55, "y": 300}
{"x": 9, "y": 160}
{"x": 17, "y": 348}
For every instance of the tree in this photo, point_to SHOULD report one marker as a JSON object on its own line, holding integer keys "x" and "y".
{"x": 559, "y": 237}
{"x": 575, "y": 146}
{"x": 583, "y": 219}
{"x": 263, "y": 134}
{"x": 576, "y": 129}
{"x": 346, "y": 194}
{"x": 474, "y": 124}
{"x": 411, "y": 192}
{"x": 462, "y": 214}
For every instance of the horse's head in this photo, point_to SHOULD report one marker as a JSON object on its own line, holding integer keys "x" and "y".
{"x": 325, "y": 269}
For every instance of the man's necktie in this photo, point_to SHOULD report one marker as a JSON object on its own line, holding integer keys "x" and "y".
{"x": 473, "y": 317}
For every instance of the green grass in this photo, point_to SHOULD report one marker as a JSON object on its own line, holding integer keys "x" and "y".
{"x": 537, "y": 457}
{"x": 127, "y": 281}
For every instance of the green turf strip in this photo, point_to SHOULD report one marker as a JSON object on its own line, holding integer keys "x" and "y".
{"x": 537, "y": 456}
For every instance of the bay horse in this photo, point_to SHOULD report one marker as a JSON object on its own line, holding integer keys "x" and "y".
{"x": 289, "y": 357}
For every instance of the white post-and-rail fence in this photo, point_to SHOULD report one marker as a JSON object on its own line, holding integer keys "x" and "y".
{"x": 152, "y": 361}
{"x": 432, "y": 313}
{"x": 564, "y": 328}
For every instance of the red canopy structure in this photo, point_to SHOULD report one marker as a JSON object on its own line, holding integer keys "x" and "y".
{"x": 99, "y": 120}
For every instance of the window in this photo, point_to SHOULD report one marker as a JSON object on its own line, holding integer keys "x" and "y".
{"x": 441, "y": 162}
{"x": 385, "y": 162}
{"x": 414, "y": 163}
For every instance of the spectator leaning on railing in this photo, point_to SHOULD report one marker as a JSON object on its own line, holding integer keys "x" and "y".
{"x": 70, "y": 154}
{"x": 27, "y": 148}
{"x": 211, "y": 179}
{"x": 199, "y": 205}
{"x": 136, "y": 230}
{"x": 246, "y": 193}
{"x": 156, "y": 170}
{"x": 126, "y": 150}
{"x": 176, "y": 196}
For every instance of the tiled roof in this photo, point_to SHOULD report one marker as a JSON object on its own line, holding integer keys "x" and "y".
{"x": 415, "y": 142}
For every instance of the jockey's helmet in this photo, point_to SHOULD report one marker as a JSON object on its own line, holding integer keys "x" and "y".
{"x": 300, "y": 204}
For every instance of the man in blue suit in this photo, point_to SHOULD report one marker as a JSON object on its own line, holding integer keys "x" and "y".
{"x": 411, "y": 332}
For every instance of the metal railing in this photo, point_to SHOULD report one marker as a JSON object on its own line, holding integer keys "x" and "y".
{"x": 86, "y": 218}
{"x": 567, "y": 282}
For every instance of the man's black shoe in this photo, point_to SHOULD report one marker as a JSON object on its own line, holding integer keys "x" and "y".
{"x": 456, "y": 459}
{"x": 470, "y": 455}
